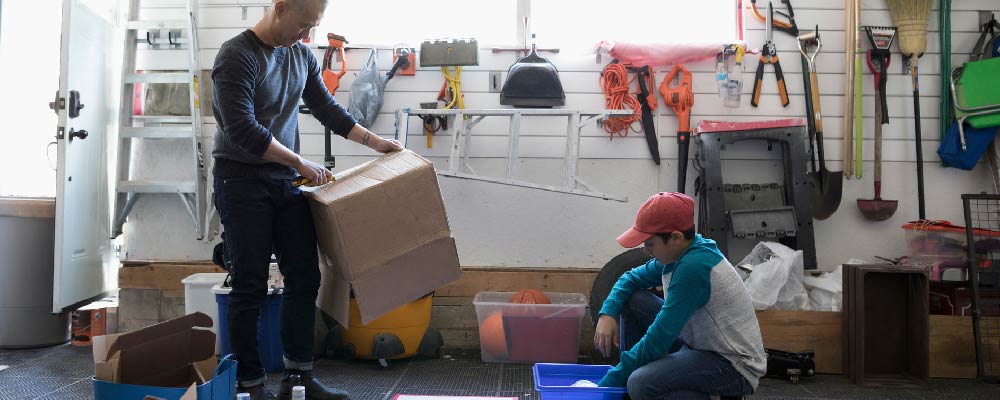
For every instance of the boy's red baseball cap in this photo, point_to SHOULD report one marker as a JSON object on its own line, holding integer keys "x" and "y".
{"x": 664, "y": 212}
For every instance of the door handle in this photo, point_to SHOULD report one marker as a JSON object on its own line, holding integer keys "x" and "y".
{"x": 82, "y": 134}
{"x": 58, "y": 103}
{"x": 74, "y": 104}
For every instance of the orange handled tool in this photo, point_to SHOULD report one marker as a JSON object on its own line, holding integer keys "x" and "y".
{"x": 332, "y": 79}
{"x": 769, "y": 55}
{"x": 681, "y": 99}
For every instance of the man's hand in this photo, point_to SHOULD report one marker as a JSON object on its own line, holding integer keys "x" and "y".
{"x": 316, "y": 174}
{"x": 385, "y": 145}
{"x": 606, "y": 335}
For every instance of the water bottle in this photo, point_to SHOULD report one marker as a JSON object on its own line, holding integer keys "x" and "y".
{"x": 243, "y": 396}
{"x": 299, "y": 393}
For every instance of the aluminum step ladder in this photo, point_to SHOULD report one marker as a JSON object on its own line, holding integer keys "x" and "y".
{"x": 458, "y": 161}
{"x": 156, "y": 130}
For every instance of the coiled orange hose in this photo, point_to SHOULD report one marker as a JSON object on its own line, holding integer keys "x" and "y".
{"x": 615, "y": 82}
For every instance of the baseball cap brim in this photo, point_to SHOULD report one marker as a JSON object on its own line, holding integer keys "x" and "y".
{"x": 633, "y": 238}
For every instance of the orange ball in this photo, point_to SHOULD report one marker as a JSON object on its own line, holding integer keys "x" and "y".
{"x": 492, "y": 336}
{"x": 530, "y": 296}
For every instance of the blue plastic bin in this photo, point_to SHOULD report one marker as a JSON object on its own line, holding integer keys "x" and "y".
{"x": 268, "y": 328}
{"x": 553, "y": 382}
{"x": 221, "y": 387}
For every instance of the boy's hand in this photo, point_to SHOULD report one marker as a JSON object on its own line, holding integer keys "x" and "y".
{"x": 606, "y": 335}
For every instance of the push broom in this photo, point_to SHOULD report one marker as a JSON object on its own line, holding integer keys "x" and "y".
{"x": 911, "y": 18}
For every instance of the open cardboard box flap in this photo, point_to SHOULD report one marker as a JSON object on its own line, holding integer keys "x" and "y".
{"x": 383, "y": 231}
{"x": 174, "y": 353}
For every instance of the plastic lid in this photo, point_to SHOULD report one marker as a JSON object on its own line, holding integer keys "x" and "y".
{"x": 218, "y": 289}
{"x": 946, "y": 226}
{"x": 205, "y": 277}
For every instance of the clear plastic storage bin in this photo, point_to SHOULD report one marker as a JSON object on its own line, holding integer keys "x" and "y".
{"x": 529, "y": 333}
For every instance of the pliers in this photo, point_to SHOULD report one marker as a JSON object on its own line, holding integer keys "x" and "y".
{"x": 769, "y": 55}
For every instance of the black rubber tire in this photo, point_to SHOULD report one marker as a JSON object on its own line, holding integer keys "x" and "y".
{"x": 609, "y": 275}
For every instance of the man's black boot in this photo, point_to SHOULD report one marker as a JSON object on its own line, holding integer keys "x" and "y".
{"x": 257, "y": 392}
{"x": 314, "y": 389}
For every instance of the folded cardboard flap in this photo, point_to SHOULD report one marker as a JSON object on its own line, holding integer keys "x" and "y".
{"x": 125, "y": 340}
{"x": 424, "y": 269}
{"x": 182, "y": 376}
{"x": 174, "y": 353}
{"x": 144, "y": 362}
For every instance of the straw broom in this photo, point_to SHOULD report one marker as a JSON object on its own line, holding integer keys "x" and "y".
{"x": 911, "y": 18}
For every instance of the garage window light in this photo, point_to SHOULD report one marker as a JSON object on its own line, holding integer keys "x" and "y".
{"x": 558, "y": 23}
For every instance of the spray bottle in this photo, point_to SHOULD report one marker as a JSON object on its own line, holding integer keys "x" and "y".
{"x": 729, "y": 74}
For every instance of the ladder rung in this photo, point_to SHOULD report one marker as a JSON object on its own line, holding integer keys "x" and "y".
{"x": 156, "y": 187}
{"x": 158, "y": 132}
{"x": 162, "y": 77}
{"x": 163, "y": 119}
{"x": 158, "y": 24}
{"x": 164, "y": 42}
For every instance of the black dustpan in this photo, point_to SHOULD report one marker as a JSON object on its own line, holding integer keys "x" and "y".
{"x": 532, "y": 82}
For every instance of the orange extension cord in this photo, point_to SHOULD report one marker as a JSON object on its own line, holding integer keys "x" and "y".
{"x": 615, "y": 82}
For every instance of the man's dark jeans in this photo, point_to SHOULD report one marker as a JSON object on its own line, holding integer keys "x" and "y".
{"x": 261, "y": 216}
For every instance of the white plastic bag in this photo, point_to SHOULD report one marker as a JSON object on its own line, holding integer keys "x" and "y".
{"x": 366, "y": 92}
{"x": 826, "y": 291}
{"x": 772, "y": 263}
{"x": 793, "y": 295}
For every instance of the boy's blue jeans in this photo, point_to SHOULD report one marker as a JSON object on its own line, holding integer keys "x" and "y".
{"x": 685, "y": 373}
{"x": 263, "y": 215}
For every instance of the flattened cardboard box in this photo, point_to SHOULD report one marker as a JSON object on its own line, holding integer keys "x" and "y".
{"x": 172, "y": 360}
{"x": 165, "y": 354}
{"x": 383, "y": 231}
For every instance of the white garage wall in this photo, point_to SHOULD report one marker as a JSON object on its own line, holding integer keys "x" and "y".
{"x": 506, "y": 226}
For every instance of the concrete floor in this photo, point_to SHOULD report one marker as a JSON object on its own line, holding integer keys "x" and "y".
{"x": 64, "y": 372}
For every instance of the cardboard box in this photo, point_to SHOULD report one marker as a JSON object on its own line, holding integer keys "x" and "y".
{"x": 383, "y": 232}
{"x": 163, "y": 360}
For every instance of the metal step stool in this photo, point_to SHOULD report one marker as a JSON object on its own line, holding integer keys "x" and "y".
{"x": 716, "y": 220}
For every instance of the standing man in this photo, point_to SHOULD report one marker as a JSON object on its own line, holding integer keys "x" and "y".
{"x": 259, "y": 77}
{"x": 703, "y": 338}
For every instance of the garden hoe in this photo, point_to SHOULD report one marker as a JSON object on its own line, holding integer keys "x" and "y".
{"x": 878, "y": 209}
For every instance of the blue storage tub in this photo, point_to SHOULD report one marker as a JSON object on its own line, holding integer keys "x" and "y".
{"x": 222, "y": 386}
{"x": 553, "y": 382}
{"x": 268, "y": 328}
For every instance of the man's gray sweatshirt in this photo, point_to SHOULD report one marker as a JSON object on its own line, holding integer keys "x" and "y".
{"x": 256, "y": 92}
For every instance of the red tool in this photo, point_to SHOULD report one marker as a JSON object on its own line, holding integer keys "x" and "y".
{"x": 681, "y": 99}
{"x": 332, "y": 79}
{"x": 878, "y": 209}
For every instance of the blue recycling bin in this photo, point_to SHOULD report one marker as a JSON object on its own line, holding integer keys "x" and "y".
{"x": 268, "y": 328}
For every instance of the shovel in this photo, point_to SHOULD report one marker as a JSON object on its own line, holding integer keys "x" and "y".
{"x": 878, "y": 209}
{"x": 827, "y": 185}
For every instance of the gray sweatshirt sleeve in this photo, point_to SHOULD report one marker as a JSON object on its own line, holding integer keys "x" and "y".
{"x": 233, "y": 76}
